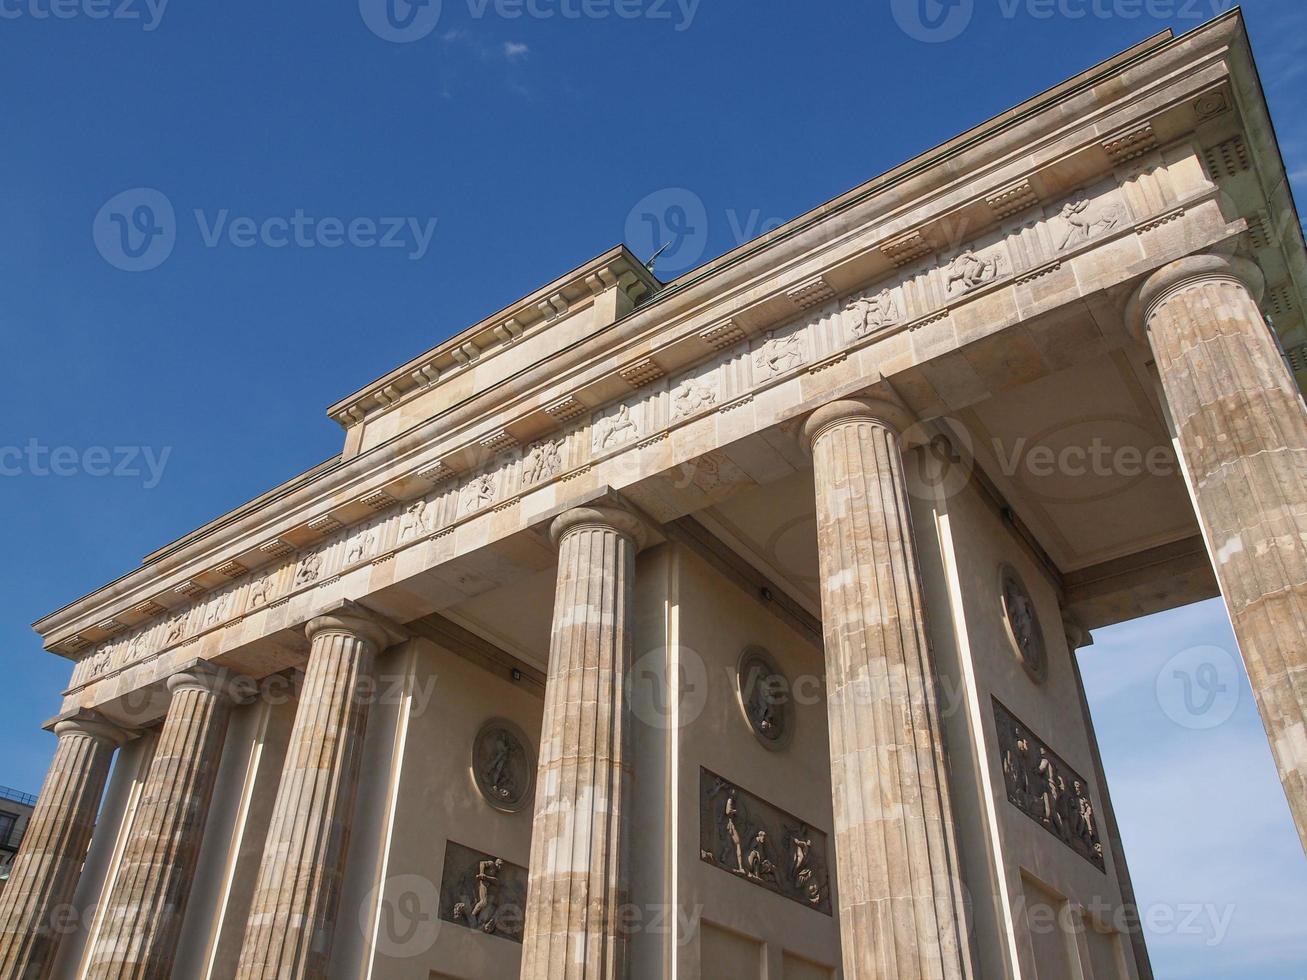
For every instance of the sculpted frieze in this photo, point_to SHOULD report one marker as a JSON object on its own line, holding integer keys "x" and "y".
{"x": 543, "y": 461}
{"x": 971, "y": 269}
{"x": 483, "y": 892}
{"x": 504, "y": 765}
{"x": 1083, "y": 218}
{"x": 694, "y": 395}
{"x": 778, "y": 353}
{"x": 762, "y": 844}
{"x": 413, "y": 524}
{"x": 262, "y": 590}
{"x": 616, "y": 428}
{"x": 924, "y": 288}
{"x": 1047, "y": 790}
{"x": 480, "y": 492}
{"x": 872, "y": 311}
{"x": 310, "y": 568}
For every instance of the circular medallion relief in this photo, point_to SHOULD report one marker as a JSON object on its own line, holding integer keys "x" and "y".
{"x": 1022, "y": 623}
{"x": 765, "y": 698}
{"x": 504, "y": 765}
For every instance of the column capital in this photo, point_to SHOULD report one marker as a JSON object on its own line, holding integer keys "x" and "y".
{"x": 205, "y": 676}
{"x": 603, "y": 516}
{"x": 91, "y": 724}
{"x": 1077, "y": 636}
{"x": 1174, "y": 276}
{"x": 358, "y": 621}
{"x": 882, "y": 411}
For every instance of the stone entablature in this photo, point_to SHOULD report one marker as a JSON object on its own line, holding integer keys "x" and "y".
{"x": 570, "y": 308}
{"x": 1091, "y": 212}
{"x": 624, "y": 437}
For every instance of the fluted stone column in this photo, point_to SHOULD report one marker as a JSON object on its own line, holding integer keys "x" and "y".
{"x": 143, "y": 915}
{"x": 901, "y": 908}
{"x": 580, "y": 844}
{"x": 34, "y": 905}
{"x": 1242, "y": 431}
{"x": 293, "y": 916}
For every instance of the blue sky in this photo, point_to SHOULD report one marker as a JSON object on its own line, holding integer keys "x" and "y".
{"x": 510, "y": 148}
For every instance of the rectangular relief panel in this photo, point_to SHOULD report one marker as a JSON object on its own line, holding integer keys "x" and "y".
{"x": 762, "y": 844}
{"x": 1047, "y": 790}
{"x": 483, "y": 892}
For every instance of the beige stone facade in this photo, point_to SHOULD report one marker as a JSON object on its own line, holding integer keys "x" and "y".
{"x": 724, "y": 627}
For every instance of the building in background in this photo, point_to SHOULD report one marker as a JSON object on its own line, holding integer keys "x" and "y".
{"x": 15, "y": 809}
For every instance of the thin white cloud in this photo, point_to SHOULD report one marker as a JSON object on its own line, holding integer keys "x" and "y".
{"x": 515, "y": 49}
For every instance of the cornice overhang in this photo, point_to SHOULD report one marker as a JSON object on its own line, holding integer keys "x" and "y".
{"x": 618, "y": 268}
{"x": 1079, "y": 131}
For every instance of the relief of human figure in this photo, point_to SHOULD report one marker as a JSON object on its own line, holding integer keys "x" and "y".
{"x": 801, "y": 873}
{"x": 413, "y": 522}
{"x": 542, "y": 462}
{"x": 733, "y": 832}
{"x": 259, "y": 591}
{"x": 361, "y": 547}
{"x": 970, "y": 270}
{"x": 497, "y": 772}
{"x": 1084, "y": 219}
{"x": 1085, "y": 821}
{"x": 482, "y": 915}
{"x": 871, "y": 312}
{"x": 779, "y": 354}
{"x": 618, "y": 428}
{"x": 1049, "y": 791}
{"x": 310, "y": 568}
{"x": 1021, "y": 614}
{"x": 692, "y": 395}
{"x": 1016, "y": 769}
{"x": 758, "y": 866}
{"x": 176, "y": 629}
{"x": 480, "y": 492}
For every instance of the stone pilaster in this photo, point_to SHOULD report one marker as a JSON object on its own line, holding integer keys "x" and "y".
{"x": 1242, "y": 430}
{"x": 901, "y": 908}
{"x": 1076, "y": 637}
{"x": 580, "y": 844}
{"x": 143, "y": 915}
{"x": 37, "y": 897}
{"x": 293, "y": 916}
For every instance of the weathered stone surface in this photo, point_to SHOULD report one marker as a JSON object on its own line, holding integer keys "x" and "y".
{"x": 48, "y": 864}
{"x": 142, "y": 923}
{"x": 580, "y": 848}
{"x": 293, "y": 918}
{"x": 1243, "y": 431}
{"x": 901, "y": 911}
